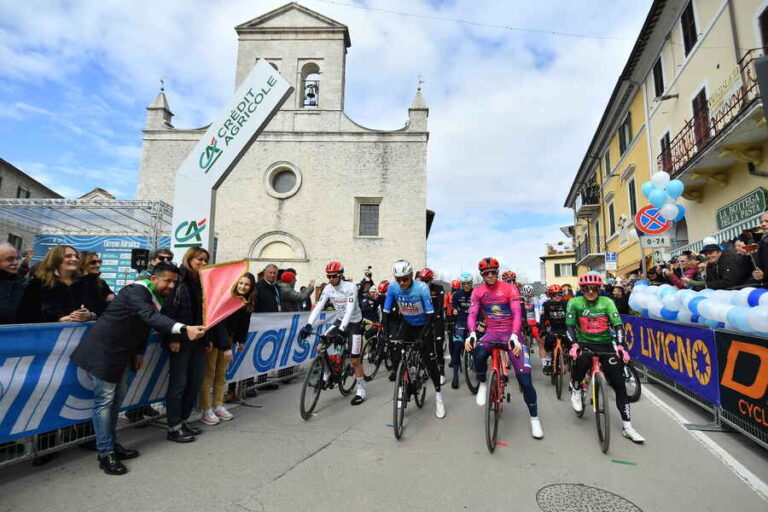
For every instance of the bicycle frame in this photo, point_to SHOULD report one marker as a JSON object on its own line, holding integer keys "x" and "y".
{"x": 499, "y": 363}
{"x": 596, "y": 369}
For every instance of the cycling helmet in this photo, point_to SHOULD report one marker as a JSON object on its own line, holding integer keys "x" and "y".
{"x": 466, "y": 277}
{"x": 527, "y": 290}
{"x": 488, "y": 264}
{"x": 554, "y": 289}
{"x": 426, "y": 274}
{"x": 402, "y": 268}
{"x": 334, "y": 267}
{"x": 508, "y": 276}
{"x": 591, "y": 279}
{"x": 455, "y": 284}
{"x": 383, "y": 286}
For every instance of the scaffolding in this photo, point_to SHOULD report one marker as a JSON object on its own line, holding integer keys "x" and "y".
{"x": 90, "y": 217}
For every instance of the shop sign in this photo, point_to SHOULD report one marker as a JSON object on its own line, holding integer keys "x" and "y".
{"x": 741, "y": 209}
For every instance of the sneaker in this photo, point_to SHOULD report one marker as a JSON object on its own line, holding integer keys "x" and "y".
{"x": 358, "y": 399}
{"x": 210, "y": 417}
{"x": 576, "y": 402}
{"x": 439, "y": 408}
{"x": 481, "y": 391}
{"x": 547, "y": 369}
{"x": 223, "y": 413}
{"x": 633, "y": 435}
{"x": 536, "y": 430}
{"x": 442, "y": 379}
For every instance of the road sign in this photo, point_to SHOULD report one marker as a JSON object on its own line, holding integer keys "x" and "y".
{"x": 660, "y": 256}
{"x": 650, "y": 221}
{"x": 611, "y": 260}
{"x": 656, "y": 241}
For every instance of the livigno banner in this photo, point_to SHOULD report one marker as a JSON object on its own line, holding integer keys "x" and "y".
{"x": 254, "y": 103}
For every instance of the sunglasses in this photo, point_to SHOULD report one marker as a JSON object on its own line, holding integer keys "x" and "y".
{"x": 164, "y": 258}
{"x": 490, "y": 273}
{"x": 402, "y": 279}
{"x": 332, "y": 276}
{"x": 94, "y": 262}
{"x": 590, "y": 289}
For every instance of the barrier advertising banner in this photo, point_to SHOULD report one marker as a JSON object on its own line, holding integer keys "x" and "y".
{"x": 41, "y": 390}
{"x": 685, "y": 354}
{"x": 744, "y": 378}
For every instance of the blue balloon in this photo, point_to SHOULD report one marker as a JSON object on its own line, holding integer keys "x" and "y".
{"x": 695, "y": 319}
{"x": 693, "y": 305}
{"x": 753, "y": 299}
{"x": 642, "y": 282}
{"x": 711, "y": 323}
{"x": 657, "y": 197}
{"x": 675, "y": 188}
{"x": 738, "y": 318}
{"x": 680, "y": 213}
{"x": 668, "y": 314}
{"x": 644, "y": 312}
{"x": 647, "y": 188}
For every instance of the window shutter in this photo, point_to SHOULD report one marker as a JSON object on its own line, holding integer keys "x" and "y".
{"x": 557, "y": 270}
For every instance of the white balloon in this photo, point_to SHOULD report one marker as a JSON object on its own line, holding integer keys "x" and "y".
{"x": 671, "y": 200}
{"x": 742, "y": 296}
{"x": 757, "y": 318}
{"x": 763, "y": 300}
{"x": 684, "y": 297}
{"x": 654, "y": 309}
{"x": 707, "y": 308}
{"x": 669, "y": 211}
{"x": 653, "y": 290}
{"x": 721, "y": 312}
{"x": 670, "y": 302}
{"x": 660, "y": 179}
{"x": 722, "y": 296}
{"x": 684, "y": 315}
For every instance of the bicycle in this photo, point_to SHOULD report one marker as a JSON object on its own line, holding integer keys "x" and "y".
{"x": 559, "y": 367}
{"x": 410, "y": 382}
{"x": 496, "y": 394}
{"x": 326, "y": 371}
{"x": 469, "y": 372}
{"x": 597, "y": 384}
{"x": 374, "y": 352}
{"x": 632, "y": 380}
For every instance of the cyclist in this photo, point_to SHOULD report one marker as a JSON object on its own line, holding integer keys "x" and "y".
{"x": 460, "y": 303}
{"x": 509, "y": 277}
{"x": 553, "y": 321}
{"x": 531, "y": 326}
{"x": 415, "y": 303}
{"x": 592, "y": 321}
{"x": 500, "y": 304}
{"x": 343, "y": 295}
{"x": 450, "y": 319}
{"x": 567, "y": 292}
{"x": 436, "y": 293}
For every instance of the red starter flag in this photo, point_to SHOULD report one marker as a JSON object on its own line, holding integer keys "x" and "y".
{"x": 219, "y": 283}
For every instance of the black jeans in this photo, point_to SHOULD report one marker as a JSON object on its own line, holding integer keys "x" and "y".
{"x": 410, "y": 333}
{"x": 613, "y": 369}
{"x": 184, "y": 380}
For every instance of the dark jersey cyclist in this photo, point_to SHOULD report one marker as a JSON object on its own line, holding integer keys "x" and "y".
{"x": 592, "y": 321}
{"x": 553, "y": 322}
{"x": 460, "y": 302}
{"x": 437, "y": 332}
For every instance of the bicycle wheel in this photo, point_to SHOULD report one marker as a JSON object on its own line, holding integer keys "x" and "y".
{"x": 420, "y": 383}
{"x": 400, "y": 400}
{"x": 632, "y": 379}
{"x": 602, "y": 418}
{"x": 370, "y": 358}
{"x": 347, "y": 378}
{"x": 469, "y": 373}
{"x": 310, "y": 391}
{"x": 553, "y": 375}
{"x": 492, "y": 410}
{"x": 388, "y": 352}
{"x": 558, "y": 373}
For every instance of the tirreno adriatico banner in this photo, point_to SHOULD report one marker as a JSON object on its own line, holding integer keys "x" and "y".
{"x": 41, "y": 390}
{"x": 254, "y": 103}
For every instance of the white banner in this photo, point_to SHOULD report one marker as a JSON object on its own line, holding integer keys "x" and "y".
{"x": 252, "y": 106}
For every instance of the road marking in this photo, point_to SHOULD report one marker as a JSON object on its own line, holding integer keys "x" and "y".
{"x": 617, "y": 461}
{"x": 501, "y": 444}
{"x": 741, "y": 471}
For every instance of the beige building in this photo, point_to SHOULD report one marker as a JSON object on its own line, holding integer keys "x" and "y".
{"x": 15, "y": 184}
{"x": 558, "y": 267}
{"x": 315, "y": 186}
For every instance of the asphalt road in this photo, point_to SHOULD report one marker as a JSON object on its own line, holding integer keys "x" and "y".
{"x": 346, "y": 458}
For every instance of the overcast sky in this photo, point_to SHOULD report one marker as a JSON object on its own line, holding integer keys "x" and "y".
{"x": 511, "y": 112}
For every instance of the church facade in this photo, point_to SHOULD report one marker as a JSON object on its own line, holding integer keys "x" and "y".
{"x": 315, "y": 186}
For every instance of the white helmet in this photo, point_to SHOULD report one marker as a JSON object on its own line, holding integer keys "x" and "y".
{"x": 466, "y": 277}
{"x": 527, "y": 290}
{"x": 402, "y": 268}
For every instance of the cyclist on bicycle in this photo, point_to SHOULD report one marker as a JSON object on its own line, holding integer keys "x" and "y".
{"x": 509, "y": 277}
{"x": 500, "y": 304}
{"x": 553, "y": 321}
{"x": 436, "y": 293}
{"x": 531, "y": 326}
{"x": 592, "y": 321}
{"x": 344, "y": 298}
{"x": 460, "y": 303}
{"x": 450, "y": 318}
{"x": 415, "y": 303}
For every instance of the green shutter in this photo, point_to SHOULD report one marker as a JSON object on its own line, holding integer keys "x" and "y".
{"x": 573, "y": 270}
{"x": 557, "y": 270}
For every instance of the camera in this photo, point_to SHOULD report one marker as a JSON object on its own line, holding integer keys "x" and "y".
{"x": 368, "y": 271}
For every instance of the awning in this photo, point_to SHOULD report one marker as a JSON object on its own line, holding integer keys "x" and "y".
{"x": 723, "y": 235}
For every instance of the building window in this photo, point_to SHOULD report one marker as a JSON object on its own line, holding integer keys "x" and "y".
{"x": 310, "y": 85}
{"x": 666, "y": 154}
{"x": 607, "y": 162}
{"x": 763, "y": 21}
{"x": 611, "y": 220}
{"x": 632, "y": 198}
{"x": 15, "y": 241}
{"x": 658, "y": 78}
{"x": 688, "y": 24}
{"x": 368, "y": 224}
{"x": 625, "y": 133}
{"x": 564, "y": 270}
{"x": 701, "y": 118}
{"x": 282, "y": 180}
{"x": 22, "y": 193}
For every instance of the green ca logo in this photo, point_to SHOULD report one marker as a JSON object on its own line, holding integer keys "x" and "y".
{"x": 189, "y": 230}
{"x": 210, "y": 155}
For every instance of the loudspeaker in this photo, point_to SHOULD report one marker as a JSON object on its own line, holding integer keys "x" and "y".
{"x": 139, "y": 259}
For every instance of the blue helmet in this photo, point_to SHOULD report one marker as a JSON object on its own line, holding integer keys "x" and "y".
{"x": 466, "y": 277}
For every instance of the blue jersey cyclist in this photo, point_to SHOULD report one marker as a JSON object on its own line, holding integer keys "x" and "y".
{"x": 460, "y": 303}
{"x": 415, "y": 304}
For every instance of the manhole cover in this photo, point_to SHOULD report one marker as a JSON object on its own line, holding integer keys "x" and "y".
{"x": 581, "y": 498}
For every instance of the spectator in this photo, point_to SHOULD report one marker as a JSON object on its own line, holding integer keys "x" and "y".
{"x": 723, "y": 269}
{"x": 654, "y": 277}
{"x": 239, "y": 322}
{"x": 113, "y": 347}
{"x": 621, "y": 300}
{"x": 369, "y": 306}
{"x": 57, "y": 294}
{"x": 290, "y": 299}
{"x": 25, "y": 268}
{"x": 367, "y": 282}
{"x": 761, "y": 259}
{"x": 744, "y": 256}
{"x": 90, "y": 268}
{"x": 187, "y": 358}
{"x": 155, "y": 257}
{"x": 267, "y": 291}
{"x": 11, "y": 284}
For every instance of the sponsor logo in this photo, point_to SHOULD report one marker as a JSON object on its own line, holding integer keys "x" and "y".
{"x": 187, "y": 233}
{"x": 209, "y": 156}
{"x": 758, "y": 386}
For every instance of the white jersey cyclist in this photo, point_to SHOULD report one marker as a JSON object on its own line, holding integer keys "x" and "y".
{"x": 343, "y": 297}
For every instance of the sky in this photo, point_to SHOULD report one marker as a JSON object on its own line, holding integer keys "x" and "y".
{"x": 511, "y": 111}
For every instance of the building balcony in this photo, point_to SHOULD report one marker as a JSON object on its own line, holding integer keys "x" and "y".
{"x": 587, "y": 203}
{"x": 730, "y": 129}
{"x": 588, "y": 253}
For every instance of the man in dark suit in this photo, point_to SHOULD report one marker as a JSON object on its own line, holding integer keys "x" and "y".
{"x": 114, "y": 345}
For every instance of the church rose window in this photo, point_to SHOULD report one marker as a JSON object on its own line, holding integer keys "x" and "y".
{"x": 282, "y": 180}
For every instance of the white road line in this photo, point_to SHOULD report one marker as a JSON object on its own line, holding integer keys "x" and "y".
{"x": 741, "y": 471}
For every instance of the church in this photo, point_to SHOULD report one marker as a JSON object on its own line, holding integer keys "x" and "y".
{"x": 315, "y": 186}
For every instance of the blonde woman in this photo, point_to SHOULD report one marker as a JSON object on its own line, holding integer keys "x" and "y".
{"x": 90, "y": 269}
